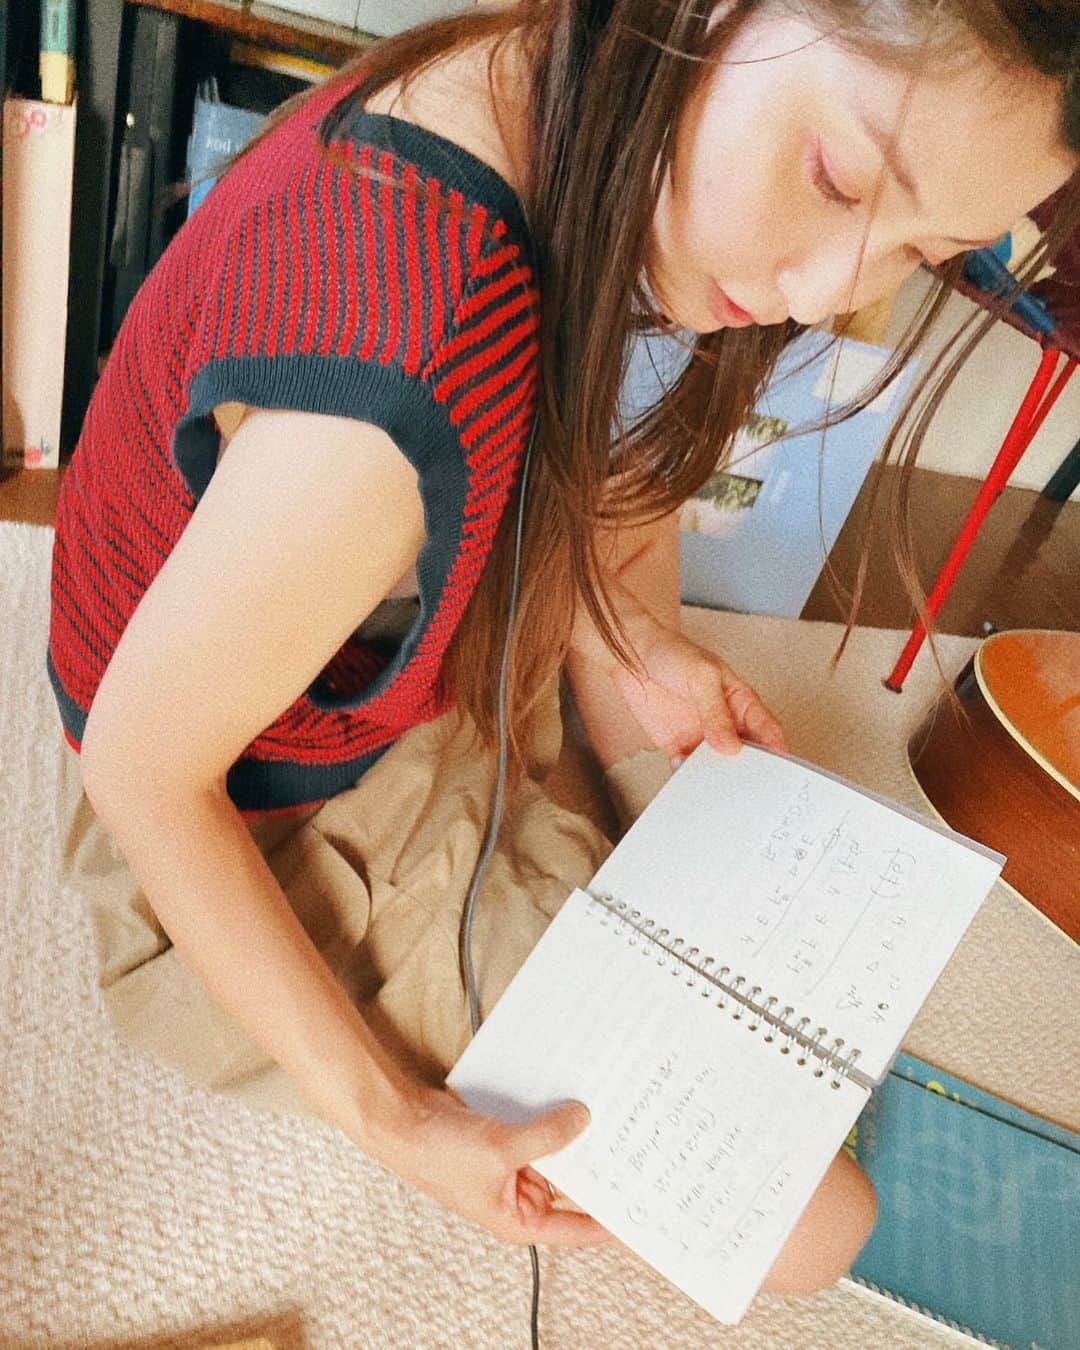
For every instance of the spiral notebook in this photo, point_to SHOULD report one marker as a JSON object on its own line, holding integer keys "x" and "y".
{"x": 736, "y": 979}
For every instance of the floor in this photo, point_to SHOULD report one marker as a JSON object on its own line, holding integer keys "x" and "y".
{"x": 1023, "y": 572}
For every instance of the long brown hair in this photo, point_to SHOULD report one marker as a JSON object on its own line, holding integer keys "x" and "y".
{"x": 609, "y": 80}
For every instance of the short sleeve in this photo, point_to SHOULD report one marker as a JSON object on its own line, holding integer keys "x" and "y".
{"x": 331, "y": 294}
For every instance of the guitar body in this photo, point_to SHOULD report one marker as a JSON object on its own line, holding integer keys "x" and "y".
{"x": 1008, "y": 774}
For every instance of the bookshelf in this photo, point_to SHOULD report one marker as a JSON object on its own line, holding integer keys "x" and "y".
{"x": 268, "y": 25}
{"x": 101, "y": 81}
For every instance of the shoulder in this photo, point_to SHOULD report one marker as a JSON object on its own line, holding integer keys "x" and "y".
{"x": 316, "y": 198}
{"x": 404, "y": 294}
{"x": 456, "y": 100}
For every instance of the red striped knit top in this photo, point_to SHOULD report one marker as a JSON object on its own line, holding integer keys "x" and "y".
{"x": 300, "y": 284}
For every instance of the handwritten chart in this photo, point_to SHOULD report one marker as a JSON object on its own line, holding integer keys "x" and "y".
{"x": 690, "y": 1159}
{"x": 827, "y": 900}
{"x": 760, "y": 927}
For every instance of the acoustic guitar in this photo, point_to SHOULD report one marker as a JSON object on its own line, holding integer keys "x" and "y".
{"x": 1008, "y": 773}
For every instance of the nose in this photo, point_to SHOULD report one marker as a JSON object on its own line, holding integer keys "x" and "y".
{"x": 836, "y": 277}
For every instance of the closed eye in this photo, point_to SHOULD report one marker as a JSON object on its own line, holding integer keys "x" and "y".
{"x": 828, "y": 189}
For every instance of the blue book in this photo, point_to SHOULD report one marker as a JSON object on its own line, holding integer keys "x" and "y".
{"x": 979, "y": 1209}
{"x": 756, "y": 536}
{"x": 218, "y": 131}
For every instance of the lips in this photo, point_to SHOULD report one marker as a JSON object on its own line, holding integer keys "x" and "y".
{"x": 727, "y": 311}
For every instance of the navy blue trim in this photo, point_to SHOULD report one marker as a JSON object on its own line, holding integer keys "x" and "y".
{"x": 71, "y": 715}
{"x": 340, "y": 386}
{"x": 401, "y": 405}
{"x": 435, "y": 156}
{"x": 269, "y": 785}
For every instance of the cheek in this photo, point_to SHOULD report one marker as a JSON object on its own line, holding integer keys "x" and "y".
{"x": 724, "y": 220}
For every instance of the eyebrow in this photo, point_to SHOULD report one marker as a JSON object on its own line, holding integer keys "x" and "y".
{"x": 895, "y": 163}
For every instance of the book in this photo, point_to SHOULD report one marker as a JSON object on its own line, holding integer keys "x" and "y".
{"x": 57, "y": 60}
{"x": 723, "y": 997}
{"x": 39, "y": 164}
{"x": 756, "y": 535}
{"x": 306, "y": 69}
{"x": 140, "y": 229}
{"x": 979, "y": 1209}
{"x": 218, "y": 131}
{"x": 380, "y": 17}
{"x": 341, "y": 12}
{"x": 231, "y": 107}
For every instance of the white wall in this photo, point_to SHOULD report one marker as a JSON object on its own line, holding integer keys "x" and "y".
{"x": 971, "y": 423}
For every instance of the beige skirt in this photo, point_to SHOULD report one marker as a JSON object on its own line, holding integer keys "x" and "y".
{"x": 378, "y": 876}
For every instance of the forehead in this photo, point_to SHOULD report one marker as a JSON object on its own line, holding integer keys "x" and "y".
{"x": 966, "y": 141}
{"x": 976, "y": 146}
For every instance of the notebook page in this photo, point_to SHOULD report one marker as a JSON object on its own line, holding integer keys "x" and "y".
{"x": 706, "y": 1141}
{"x": 824, "y": 897}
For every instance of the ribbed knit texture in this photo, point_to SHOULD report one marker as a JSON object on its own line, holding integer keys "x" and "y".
{"x": 303, "y": 284}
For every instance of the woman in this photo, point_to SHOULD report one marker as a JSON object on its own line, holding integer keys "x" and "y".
{"x": 319, "y": 408}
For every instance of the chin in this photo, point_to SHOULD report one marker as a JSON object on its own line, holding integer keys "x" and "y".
{"x": 691, "y": 318}
{"x": 683, "y": 306}
{"x": 701, "y": 323}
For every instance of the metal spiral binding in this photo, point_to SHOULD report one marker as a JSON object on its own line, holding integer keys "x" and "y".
{"x": 924, "y": 1311}
{"x": 780, "y": 1024}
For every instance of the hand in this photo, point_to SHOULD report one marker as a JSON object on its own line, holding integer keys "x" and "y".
{"x": 478, "y": 1167}
{"x": 689, "y": 695}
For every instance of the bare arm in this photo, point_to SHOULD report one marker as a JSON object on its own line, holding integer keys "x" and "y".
{"x": 306, "y": 524}
{"x": 642, "y": 564}
{"x": 687, "y": 694}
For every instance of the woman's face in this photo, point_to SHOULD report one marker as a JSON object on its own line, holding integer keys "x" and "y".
{"x": 785, "y": 200}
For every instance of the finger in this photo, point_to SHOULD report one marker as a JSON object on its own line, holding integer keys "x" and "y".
{"x": 763, "y": 729}
{"x": 535, "y": 1201}
{"x": 565, "y": 1228}
{"x": 754, "y": 719}
{"x": 531, "y": 1174}
{"x": 546, "y": 1191}
{"x": 532, "y": 1196}
{"x": 718, "y": 724}
{"x": 548, "y": 1134}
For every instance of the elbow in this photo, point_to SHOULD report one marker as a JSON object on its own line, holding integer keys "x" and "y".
{"x": 127, "y": 774}
{"x": 101, "y": 768}
{"x": 112, "y": 791}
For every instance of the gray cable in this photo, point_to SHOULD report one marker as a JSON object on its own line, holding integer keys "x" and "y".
{"x": 495, "y": 821}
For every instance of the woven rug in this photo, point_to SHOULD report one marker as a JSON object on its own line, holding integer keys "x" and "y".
{"x": 136, "y": 1211}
